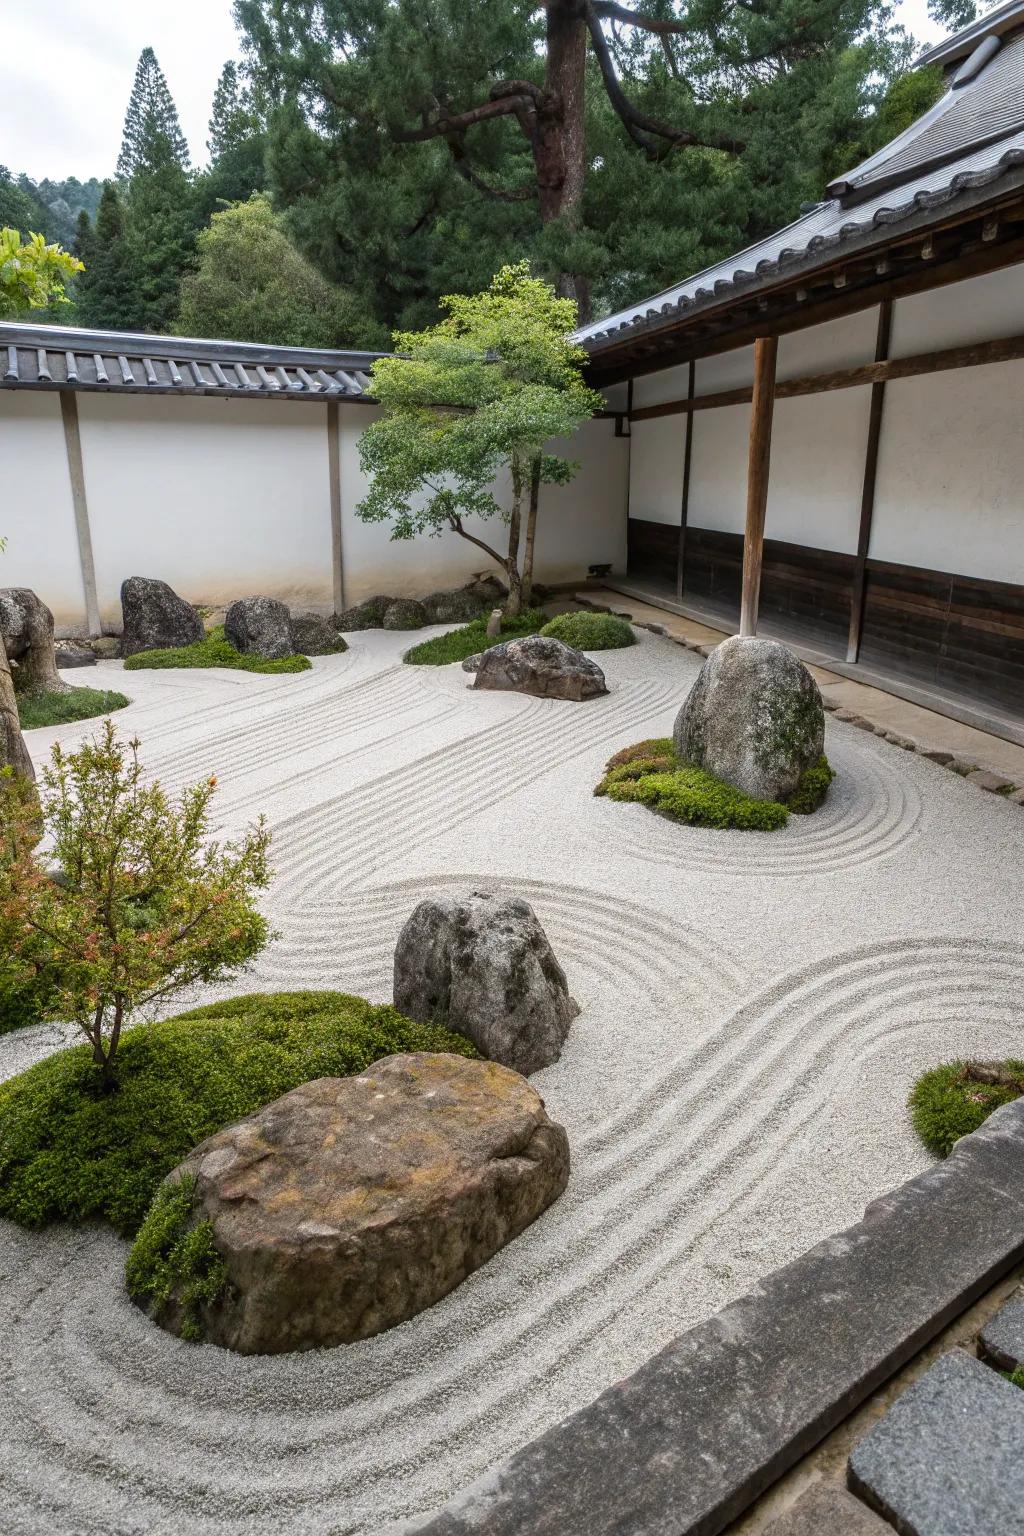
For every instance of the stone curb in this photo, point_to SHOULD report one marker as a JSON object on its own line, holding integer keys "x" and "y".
{"x": 686, "y": 1444}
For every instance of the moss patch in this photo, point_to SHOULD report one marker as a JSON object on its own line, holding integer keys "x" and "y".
{"x": 590, "y": 631}
{"x": 70, "y": 1151}
{"x": 172, "y": 1257}
{"x": 213, "y": 651}
{"x": 457, "y": 644}
{"x": 947, "y": 1102}
{"x": 37, "y": 709}
{"x": 651, "y": 773}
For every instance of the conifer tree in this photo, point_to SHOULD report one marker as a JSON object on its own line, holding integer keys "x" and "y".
{"x": 233, "y": 117}
{"x": 152, "y": 133}
{"x": 107, "y": 291}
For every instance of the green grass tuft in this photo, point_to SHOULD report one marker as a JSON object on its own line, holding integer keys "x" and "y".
{"x": 457, "y": 644}
{"x": 947, "y": 1103}
{"x": 70, "y": 1151}
{"x": 37, "y": 709}
{"x": 591, "y": 631}
{"x": 171, "y": 1256}
{"x": 213, "y": 651}
{"x": 812, "y": 789}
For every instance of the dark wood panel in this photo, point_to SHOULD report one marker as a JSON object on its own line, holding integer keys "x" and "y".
{"x": 804, "y": 591}
{"x": 713, "y": 568}
{"x": 652, "y": 549}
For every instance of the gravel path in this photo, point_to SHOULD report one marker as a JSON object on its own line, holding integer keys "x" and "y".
{"x": 755, "y": 1008}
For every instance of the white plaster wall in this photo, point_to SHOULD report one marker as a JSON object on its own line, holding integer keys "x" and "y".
{"x": 36, "y": 511}
{"x": 950, "y": 491}
{"x": 817, "y": 469}
{"x": 666, "y": 384}
{"x": 729, "y": 370}
{"x": 718, "y": 469}
{"x": 981, "y": 309}
{"x": 656, "y": 469}
{"x": 220, "y": 498}
{"x": 843, "y": 343}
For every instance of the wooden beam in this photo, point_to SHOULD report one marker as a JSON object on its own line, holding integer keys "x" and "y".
{"x": 867, "y": 500}
{"x": 1004, "y": 350}
{"x": 334, "y": 486}
{"x": 684, "y": 510}
{"x": 758, "y": 461}
{"x": 76, "y": 473}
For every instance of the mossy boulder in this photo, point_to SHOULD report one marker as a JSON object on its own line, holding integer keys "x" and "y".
{"x": 405, "y": 613}
{"x": 458, "y": 607}
{"x": 313, "y": 635}
{"x": 369, "y": 614}
{"x": 754, "y": 718}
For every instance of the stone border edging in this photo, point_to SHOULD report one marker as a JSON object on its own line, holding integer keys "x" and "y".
{"x": 685, "y": 1444}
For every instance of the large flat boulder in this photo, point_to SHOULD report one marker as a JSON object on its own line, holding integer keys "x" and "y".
{"x": 538, "y": 665}
{"x": 353, "y": 1203}
{"x": 26, "y": 626}
{"x": 260, "y": 626}
{"x": 480, "y": 963}
{"x": 155, "y": 618}
{"x": 753, "y": 718}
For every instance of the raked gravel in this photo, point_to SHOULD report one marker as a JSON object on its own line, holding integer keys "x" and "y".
{"x": 755, "y": 1009}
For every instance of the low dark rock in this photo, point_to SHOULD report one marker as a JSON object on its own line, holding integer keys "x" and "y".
{"x": 26, "y": 626}
{"x": 155, "y": 617}
{"x": 1002, "y": 1338}
{"x": 313, "y": 635}
{"x": 405, "y": 613}
{"x": 369, "y": 614}
{"x": 74, "y": 653}
{"x": 544, "y": 667}
{"x": 259, "y": 626}
{"x": 487, "y": 590}
{"x": 480, "y": 963}
{"x": 458, "y": 607}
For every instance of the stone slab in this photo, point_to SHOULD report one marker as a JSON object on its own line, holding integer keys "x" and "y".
{"x": 828, "y": 1509}
{"x": 1002, "y": 1338}
{"x": 685, "y": 1444}
{"x": 993, "y": 782}
{"x": 948, "y": 1458}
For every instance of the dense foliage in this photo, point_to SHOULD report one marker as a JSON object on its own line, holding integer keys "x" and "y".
{"x": 651, "y": 773}
{"x": 71, "y": 1151}
{"x": 590, "y": 631}
{"x": 950, "y": 1101}
{"x": 37, "y": 709}
{"x": 472, "y": 638}
{"x": 478, "y": 396}
{"x": 171, "y": 1256}
{"x": 143, "y": 903}
{"x": 33, "y": 274}
{"x": 214, "y": 650}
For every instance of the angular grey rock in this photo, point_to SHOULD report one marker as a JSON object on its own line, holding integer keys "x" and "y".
{"x": 1002, "y": 1338}
{"x": 259, "y": 626}
{"x": 369, "y": 614}
{"x": 458, "y": 607}
{"x": 26, "y": 625}
{"x": 105, "y": 647}
{"x": 487, "y": 590}
{"x": 936, "y": 755}
{"x": 472, "y": 663}
{"x": 155, "y": 618}
{"x": 353, "y": 1203}
{"x": 480, "y": 963}
{"x": 405, "y": 613}
{"x": 753, "y": 718}
{"x": 540, "y": 665}
{"x": 946, "y": 1460}
{"x": 828, "y": 1509}
{"x": 313, "y": 635}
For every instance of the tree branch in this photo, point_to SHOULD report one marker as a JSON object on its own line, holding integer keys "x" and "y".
{"x": 509, "y": 98}
{"x": 456, "y": 526}
{"x": 608, "y": 10}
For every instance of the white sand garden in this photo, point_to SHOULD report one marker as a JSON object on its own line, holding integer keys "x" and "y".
{"x": 755, "y": 1008}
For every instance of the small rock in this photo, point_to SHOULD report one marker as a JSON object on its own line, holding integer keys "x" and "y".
{"x": 961, "y": 766}
{"x": 486, "y": 589}
{"x": 544, "y": 667}
{"x": 353, "y": 1203}
{"x": 1017, "y": 797}
{"x": 369, "y": 614}
{"x": 26, "y": 625}
{"x": 259, "y": 626}
{"x": 313, "y": 635}
{"x": 936, "y": 755}
{"x": 900, "y": 741}
{"x": 405, "y": 613}
{"x": 1002, "y": 1338}
{"x": 993, "y": 782}
{"x": 155, "y": 617}
{"x": 458, "y": 607}
{"x": 842, "y": 714}
{"x": 494, "y": 624}
{"x": 753, "y": 718}
{"x": 480, "y": 963}
{"x": 74, "y": 653}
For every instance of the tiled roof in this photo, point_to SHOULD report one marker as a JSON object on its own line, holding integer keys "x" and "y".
{"x": 971, "y": 140}
{"x": 59, "y": 357}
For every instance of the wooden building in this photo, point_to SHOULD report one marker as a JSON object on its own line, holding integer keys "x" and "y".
{"x": 826, "y": 433}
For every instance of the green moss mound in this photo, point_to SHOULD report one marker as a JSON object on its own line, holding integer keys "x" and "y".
{"x": 36, "y": 709}
{"x": 213, "y": 651}
{"x": 590, "y": 631}
{"x": 947, "y": 1102}
{"x": 70, "y": 1151}
{"x": 169, "y": 1256}
{"x": 457, "y": 644}
{"x": 651, "y": 773}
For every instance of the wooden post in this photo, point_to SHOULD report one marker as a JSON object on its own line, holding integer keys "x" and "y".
{"x": 867, "y": 500}
{"x": 765, "y": 353}
{"x": 334, "y": 483}
{"x": 684, "y": 510}
{"x": 76, "y": 472}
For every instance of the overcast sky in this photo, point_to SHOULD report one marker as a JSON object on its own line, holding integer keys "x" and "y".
{"x": 68, "y": 65}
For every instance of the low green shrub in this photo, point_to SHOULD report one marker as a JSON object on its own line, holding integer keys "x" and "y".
{"x": 591, "y": 631}
{"x": 71, "y": 1150}
{"x": 214, "y": 650}
{"x": 36, "y": 709}
{"x": 168, "y": 1255}
{"x": 947, "y": 1102}
{"x": 651, "y": 773}
{"x": 457, "y": 644}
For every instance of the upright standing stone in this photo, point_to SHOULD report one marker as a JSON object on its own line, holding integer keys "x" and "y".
{"x": 259, "y": 626}
{"x": 26, "y": 625}
{"x": 155, "y": 617}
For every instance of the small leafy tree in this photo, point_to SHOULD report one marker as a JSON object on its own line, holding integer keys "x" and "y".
{"x": 143, "y": 904}
{"x": 33, "y": 274}
{"x": 480, "y": 393}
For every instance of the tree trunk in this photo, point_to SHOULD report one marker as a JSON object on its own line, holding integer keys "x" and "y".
{"x": 13, "y": 751}
{"x": 531, "y": 533}
{"x": 560, "y": 145}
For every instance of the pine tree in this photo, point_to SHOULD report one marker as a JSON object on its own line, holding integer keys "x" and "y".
{"x": 152, "y": 133}
{"x": 107, "y": 291}
{"x": 84, "y": 237}
{"x": 233, "y": 118}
